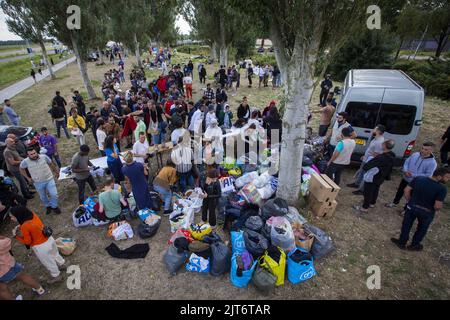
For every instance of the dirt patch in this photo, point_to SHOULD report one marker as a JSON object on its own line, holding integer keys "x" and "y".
{"x": 360, "y": 241}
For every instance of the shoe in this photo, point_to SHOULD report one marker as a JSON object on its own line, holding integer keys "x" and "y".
{"x": 402, "y": 213}
{"x": 398, "y": 244}
{"x": 418, "y": 247}
{"x": 166, "y": 212}
{"x": 352, "y": 185}
{"x": 55, "y": 280}
{"x": 32, "y": 193}
{"x": 372, "y": 206}
{"x": 49, "y": 210}
{"x": 19, "y": 297}
{"x": 29, "y": 197}
{"x": 360, "y": 209}
{"x": 358, "y": 193}
{"x": 57, "y": 210}
{"x": 391, "y": 205}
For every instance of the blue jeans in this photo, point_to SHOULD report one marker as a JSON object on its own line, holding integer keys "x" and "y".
{"x": 186, "y": 179}
{"x": 424, "y": 220}
{"x": 166, "y": 194}
{"x": 47, "y": 186}
{"x": 61, "y": 124}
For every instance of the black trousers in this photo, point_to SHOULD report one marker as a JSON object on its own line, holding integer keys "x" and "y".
{"x": 323, "y": 130}
{"x": 371, "y": 191}
{"x": 334, "y": 172}
{"x": 82, "y": 185}
{"x": 323, "y": 97}
{"x": 250, "y": 80}
{"x": 400, "y": 191}
{"x": 209, "y": 206}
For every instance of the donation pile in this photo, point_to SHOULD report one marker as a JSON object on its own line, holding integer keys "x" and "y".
{"x": 322, "y": 195}
{"x": 270, "y": 241}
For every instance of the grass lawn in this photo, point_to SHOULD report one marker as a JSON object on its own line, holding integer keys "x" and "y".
{"x": 361, "y": 241}
{"x": 13, "y": 71}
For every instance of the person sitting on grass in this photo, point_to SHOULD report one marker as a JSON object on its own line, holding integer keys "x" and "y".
{"x": 110, "y": 201}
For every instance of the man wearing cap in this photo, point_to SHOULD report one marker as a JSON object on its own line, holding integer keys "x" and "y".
{"x": 50, "y": 143}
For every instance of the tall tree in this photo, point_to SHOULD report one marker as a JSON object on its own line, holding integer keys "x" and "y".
{"x": 409, "y": 24}
{"x": 439, "y": 19}
{"x": 24, "y": 19}
{"x": 81, "y": 40}
{"x": 302, "y": 32}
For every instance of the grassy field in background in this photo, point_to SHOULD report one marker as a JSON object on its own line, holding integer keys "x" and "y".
{"x": 14, "y": 71}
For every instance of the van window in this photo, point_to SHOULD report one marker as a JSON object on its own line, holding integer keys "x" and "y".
{"x": 398, "y": 119}
{"x": 363, "y": 114}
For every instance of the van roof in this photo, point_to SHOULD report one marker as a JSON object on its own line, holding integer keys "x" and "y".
{"x": 382, "y": 78}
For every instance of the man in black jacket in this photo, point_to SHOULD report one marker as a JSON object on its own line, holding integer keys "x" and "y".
{"x": 59, "y": 116}
{"x": 377, "y": 170}
{"x": 60, "y": 102}
{"x": 326, "y": 85}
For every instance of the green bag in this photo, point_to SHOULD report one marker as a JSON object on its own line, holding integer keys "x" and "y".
{"x": 264, "y": 280}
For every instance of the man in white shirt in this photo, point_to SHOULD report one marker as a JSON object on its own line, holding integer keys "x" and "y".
{"x": 101, "y": 136}
{"x": 196, "y": 122}
{"x": 177, "y": 133}
{"x": 211, "y": 115}
{"x": 140, "y": 148}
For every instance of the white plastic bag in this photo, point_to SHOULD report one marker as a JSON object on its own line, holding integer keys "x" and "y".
{"x": 82, "y": 220}
{"x": 123, "y": 232}
{"x": 281, "y": 233}
{"x": 185, "y": 220}
{"x": 245, "y": 179}
{"x": 262, "y": 180}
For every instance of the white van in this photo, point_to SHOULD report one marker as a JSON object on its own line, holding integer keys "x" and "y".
{"x": 387, "y": 97}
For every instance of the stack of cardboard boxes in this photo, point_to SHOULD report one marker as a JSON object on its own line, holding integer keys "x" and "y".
{"x": 322, "y": 195}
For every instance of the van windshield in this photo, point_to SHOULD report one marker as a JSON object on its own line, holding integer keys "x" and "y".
{"x": 398, "y": 119}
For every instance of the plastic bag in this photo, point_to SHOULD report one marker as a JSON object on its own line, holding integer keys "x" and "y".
{"x": 90, "y": 203}
{"x": 183, "y": 221}
{"x": 145, "y": 213}
{"x": 226, "y": 185}
{"x": 245, "y": 179}
{"x": 251, "y": 194}
{"x": 323, "y": 243}
{"x": 294, "y": 216}
{"x": 197, "y": 264}
{"x": 99, "y": 223}
{"x": 195, "y": 201}
{"x": 174, "y": 260}
{"x": 220, "y": 259}
{"x": 255, "y": 243}
{"x": 66, "y": 246}
{"x": 121, "y": 230}
{"x": 282, "y": 235}
{"x": 277, "y": 268}
{"x": 237, "y": 242}
{"x": 181, "y": 233}
{"x": 274, "y": 207}
{"x": 261, "y": 180}
{"x": 131, "y": 202}
{"x": 82, "y": 217}
{"x": 300, "y": 271}
{"x": 254, "y": 223}
{"x": 269, "y": 189}
{"x": 264, "y": 280}
{"x": 146, "y": 231}
{"x": 198, "y": 231}
{"x": 152, "y": 220}
{"x": 241, "y": 280}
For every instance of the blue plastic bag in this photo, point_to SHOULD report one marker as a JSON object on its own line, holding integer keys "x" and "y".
{"x": 298, "y": 272}
{"x": 198, "y": 264}
{"x": 237, "y": 242}
{"x": 145, "y": 213}
{"x": 90, "y": 202}
{"x": 241, "y": 281}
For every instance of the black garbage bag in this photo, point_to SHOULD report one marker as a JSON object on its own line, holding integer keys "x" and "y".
{"x": 255, "y": 243}
{"x": 322, "y": 165}
{"x": 322, "y": 244}
{"x": 146, "y": 231}
{"x": 220, "y": 259}
{"x": 254, "y": 223}
{"x": 156, "y": 201}
{"x": 174, "y": 259}
{"x": 274, "y": 207}
{"x": 212, "y": 237}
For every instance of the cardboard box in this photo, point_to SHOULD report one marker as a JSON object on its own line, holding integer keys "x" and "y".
{"x": 322, "y": 209}
{"x": 323, "y": 188}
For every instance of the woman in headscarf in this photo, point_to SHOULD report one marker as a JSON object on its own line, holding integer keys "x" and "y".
{"x": 30, "y": 232}
{"x": 135, "y": 174}
{"x": 267, "y": 109}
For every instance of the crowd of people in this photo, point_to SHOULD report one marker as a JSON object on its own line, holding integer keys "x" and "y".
{"x": 150, "y": 113}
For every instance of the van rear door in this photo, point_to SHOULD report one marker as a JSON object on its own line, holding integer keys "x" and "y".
{"x": 401, "y": 113}
{"x": 363, "y": 106}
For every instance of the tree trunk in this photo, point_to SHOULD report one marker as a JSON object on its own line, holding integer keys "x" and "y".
{"x": 421, "y": 41}
{"x": 137, "y": 51}
{"x": 46, "y": 60}
{"x": 399, "y": 49}
{"x": 223, "y": 48}
{"x": 223, "y": 55}
{"x": 101, "y": 55}
{"x": 83, "y": 69}
{"x": 213, "y": 53}
{"x": 441, "y": 44}
{"x": 262, "y": 42}
{"x": 298, "y": 91}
